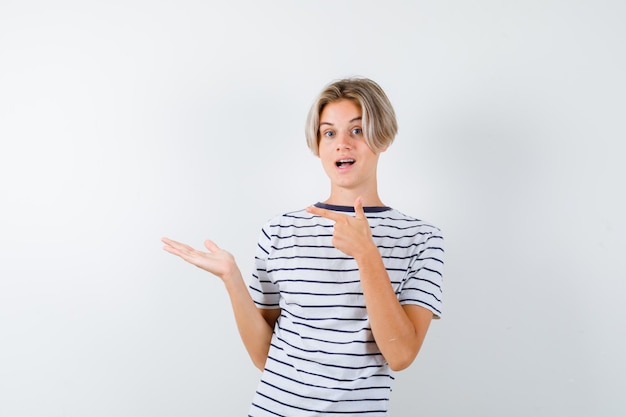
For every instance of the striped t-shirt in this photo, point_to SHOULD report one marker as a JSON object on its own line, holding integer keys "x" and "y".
{"x": 323, "y": 360}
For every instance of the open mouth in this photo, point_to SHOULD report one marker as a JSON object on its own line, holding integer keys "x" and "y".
{"x": 343, "y": 163}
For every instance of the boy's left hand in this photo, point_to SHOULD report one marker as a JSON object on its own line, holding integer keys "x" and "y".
{"x": 351, "y": 235}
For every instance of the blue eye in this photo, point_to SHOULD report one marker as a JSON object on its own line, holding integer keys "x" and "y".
{"x": 357, "y": 131}
{"x": 329, "y": 134}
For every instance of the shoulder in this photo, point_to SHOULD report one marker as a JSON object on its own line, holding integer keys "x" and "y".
{"x": 288, "y": 220}
{"x": 396, "y": 219}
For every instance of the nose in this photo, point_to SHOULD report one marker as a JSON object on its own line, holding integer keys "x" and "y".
{"x": 343, "y": 141}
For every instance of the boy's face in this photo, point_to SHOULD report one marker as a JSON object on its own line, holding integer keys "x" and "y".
{"x": 347, "y": 159}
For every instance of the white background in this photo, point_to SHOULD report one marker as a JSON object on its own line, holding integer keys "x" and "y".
{"x": 125, "y": 121}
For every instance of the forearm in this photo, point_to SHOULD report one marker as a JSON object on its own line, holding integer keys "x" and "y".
{"x": 254, "y": 330}
{"x": 395, "y": 333}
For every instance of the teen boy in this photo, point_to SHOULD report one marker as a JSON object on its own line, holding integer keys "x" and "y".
{"x": 343, "y": 291}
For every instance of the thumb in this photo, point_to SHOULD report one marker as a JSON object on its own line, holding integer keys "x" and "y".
{"x": 211, "y": 246}
{"x": 358, "y": 208}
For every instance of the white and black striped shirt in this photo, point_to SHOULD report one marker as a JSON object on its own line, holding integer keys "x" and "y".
{"x": 323, "y": 359}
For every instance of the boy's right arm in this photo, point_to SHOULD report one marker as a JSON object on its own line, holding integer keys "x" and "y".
{"x": 255, "y": 325}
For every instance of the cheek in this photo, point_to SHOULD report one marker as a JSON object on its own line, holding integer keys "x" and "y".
{"x": 324, "y": 154}
{"x": 327, "y": 161}
{"x": 327, "y": 164}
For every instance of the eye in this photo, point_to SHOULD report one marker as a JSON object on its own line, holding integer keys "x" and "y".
{"x": 328, "y": 134}
{"x": 357, "y": 131}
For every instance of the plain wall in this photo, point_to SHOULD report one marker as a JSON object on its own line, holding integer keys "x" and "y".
{"x": 125, "y": 121}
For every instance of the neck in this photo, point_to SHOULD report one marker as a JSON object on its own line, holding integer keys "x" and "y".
{"x": 343, "y": 197}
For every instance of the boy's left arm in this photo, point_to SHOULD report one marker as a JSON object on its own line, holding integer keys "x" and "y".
{"x": 399, "y": 330}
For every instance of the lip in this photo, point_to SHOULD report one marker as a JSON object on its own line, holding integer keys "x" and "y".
{"x": 342, "y": 166}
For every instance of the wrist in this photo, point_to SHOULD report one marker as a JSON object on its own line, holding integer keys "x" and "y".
{"x": 231, "y": 276}
{"x": 368, "y": 255}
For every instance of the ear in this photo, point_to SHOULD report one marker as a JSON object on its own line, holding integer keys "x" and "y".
{"x": 381, "y": 150}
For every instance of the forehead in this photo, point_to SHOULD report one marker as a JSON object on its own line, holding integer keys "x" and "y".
{"x": 340, "y": 110}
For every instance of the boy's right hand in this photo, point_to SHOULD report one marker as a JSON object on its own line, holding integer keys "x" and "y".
{"x": 216, "y": 261}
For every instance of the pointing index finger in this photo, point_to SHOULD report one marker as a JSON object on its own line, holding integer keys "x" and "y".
{"x": 328, "y": 214}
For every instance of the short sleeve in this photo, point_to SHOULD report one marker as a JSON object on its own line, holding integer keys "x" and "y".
{"x": 264, "y": 292}
{"x": 423, "y": 285}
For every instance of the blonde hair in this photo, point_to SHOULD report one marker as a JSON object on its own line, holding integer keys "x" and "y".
{"x": 378, "y": 117}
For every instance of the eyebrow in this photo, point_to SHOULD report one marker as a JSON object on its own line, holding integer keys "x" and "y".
{"x": 351, "y": 121}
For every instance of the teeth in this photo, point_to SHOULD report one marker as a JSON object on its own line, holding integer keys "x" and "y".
{"x": 342, "y": 162}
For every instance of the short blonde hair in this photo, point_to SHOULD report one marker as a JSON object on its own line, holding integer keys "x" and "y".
{"x": 378, "y": 117}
